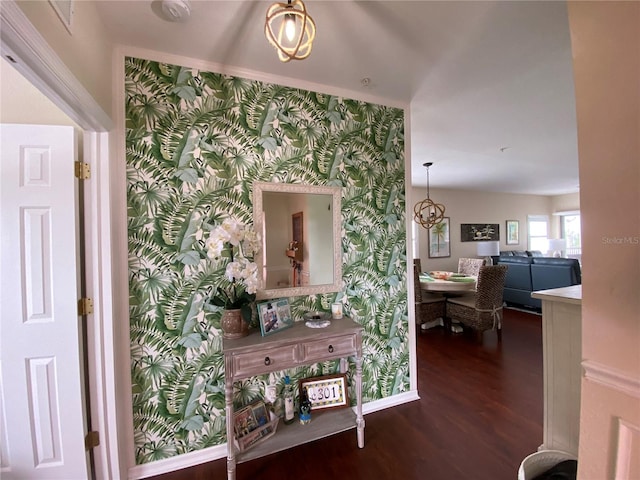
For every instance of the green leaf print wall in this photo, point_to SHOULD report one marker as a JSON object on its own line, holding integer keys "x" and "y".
{"x": 195, "y": 143}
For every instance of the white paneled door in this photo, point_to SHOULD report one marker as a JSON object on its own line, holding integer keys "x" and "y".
{"x": 41, "y": 410}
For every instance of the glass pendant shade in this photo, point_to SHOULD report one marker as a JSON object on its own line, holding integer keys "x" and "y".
{"x": 290, "y": 29}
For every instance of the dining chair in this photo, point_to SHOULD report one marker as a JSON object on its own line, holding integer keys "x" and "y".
{"x": 482, "y": 310}
{"x": 428, "y": 307}
{"x": 470, "y": 266}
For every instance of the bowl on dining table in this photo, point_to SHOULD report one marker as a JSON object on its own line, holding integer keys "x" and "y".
{"x": 440, "y": 275}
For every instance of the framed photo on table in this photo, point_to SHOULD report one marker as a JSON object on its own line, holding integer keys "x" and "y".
{"x": 513, "y": 232}
{"x": 439, "y": 239}
{"x": 274, "y": 315}
{"x": 328, "y": 391}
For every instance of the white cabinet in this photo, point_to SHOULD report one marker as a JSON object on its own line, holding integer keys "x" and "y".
{"x": 298, "y": 345}
{"x": 562, "y": 357}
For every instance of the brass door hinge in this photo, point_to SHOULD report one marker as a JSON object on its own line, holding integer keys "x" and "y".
{"x": 91, "y": 440}
{"x": 82, "y": 170}
{"x": 85, "y": 306}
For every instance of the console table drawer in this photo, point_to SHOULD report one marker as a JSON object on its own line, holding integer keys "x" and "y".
{"x": 255, "y": 363}
{"x": 330, "y": 347}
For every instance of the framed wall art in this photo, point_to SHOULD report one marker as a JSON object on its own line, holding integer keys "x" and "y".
{"x": 513, "y": 232}
{"x": 439, "y": 239}
{"x": 274, "y": 315}
{"x": 479, "y": 232}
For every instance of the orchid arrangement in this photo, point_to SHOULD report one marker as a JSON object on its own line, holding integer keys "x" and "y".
{"x": 239, "y": 243}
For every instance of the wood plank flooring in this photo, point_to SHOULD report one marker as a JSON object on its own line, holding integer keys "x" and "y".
{"x": 479, "y": 414}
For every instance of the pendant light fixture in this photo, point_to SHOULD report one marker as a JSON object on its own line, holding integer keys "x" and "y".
{"x": 427, "y": 213}
{"x": 290, "y": 29}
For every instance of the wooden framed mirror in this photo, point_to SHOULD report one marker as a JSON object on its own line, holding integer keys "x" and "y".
{"x": 310, "y": 263}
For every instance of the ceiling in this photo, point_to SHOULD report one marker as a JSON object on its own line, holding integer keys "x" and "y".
{"x": 489, "y": 85}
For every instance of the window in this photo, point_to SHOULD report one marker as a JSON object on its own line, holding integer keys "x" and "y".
{"x": 570, "y": 231}
{"x": 538, "y": 232}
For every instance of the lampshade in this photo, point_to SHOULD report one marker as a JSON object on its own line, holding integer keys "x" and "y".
{"x": 290, "y": 29}
{"x": 427, "y": 213}
{"x": 556, "y": 245}
{"x": 488, "y": 249}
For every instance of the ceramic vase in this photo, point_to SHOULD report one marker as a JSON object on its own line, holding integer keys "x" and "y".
{"x": 233, "y": 325}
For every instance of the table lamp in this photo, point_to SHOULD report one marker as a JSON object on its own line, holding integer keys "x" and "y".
{"x": 488, "y": 250}
{"x": 555, "y": 246}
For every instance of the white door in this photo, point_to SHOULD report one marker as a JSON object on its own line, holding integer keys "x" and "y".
{"x": 41, "y": 410}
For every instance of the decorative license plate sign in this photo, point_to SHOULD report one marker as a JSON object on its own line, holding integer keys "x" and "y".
{"x": 329, "y": 391}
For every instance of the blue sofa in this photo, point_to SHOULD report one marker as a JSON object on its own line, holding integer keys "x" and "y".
{"x": 517, "y": 253}
{"x": 529, "y": 274}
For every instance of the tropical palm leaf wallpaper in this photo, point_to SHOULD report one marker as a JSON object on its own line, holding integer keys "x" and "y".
{"x": 195, "y": 143}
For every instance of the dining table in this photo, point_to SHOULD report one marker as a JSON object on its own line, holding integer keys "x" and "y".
{"x": 449, "y": 284}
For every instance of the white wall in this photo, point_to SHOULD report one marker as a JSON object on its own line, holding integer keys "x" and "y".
{"x": 23, "y": 103}
{"x": 319, "y": 237}
{"x": 565, "y": 203}
{"x": 562, "y": 203}
{"x": 86, "y": 51}
{"x": 606, "y": 58}
{"x": 278, "y": 236}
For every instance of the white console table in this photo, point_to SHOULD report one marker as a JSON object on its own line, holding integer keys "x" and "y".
{"x": 562, "y": 357}
{"x": 298, "y": 345}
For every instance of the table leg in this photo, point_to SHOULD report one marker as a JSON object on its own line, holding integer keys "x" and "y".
{"x": 359, "y": 417}
{"x": 344, "y": 365}
{"x": 231, "y": 451}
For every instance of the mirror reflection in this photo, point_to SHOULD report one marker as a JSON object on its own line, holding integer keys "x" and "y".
{"x": 300, "y": 230}
{"x": 297, "y": 239}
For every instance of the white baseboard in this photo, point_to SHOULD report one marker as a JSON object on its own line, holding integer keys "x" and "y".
{"x": 179, "y": 462}
{"x": 392, "y": 401}
{"x": 220, "y": 451}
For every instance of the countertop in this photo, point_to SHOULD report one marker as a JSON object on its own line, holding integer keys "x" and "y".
{"x": 572, "y": 294}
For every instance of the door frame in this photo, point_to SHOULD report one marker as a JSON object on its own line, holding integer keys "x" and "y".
{"x": 30, "y": 54}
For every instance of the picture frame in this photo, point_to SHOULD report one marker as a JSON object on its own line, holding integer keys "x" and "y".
{"x": 327, "y": 391}
{"x": 440, "y": 239}
{"x": 243, "y": 422}
{"x": 252, "y": 424}
{"x": 479, "y": 232}
{"x": 260, "y": 413}
{"x": 250, "y": 418}
{"x": 274, "y": 316}
{"x": 513, "y": 232}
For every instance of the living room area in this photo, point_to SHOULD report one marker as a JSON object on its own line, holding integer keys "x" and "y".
{"x": 478, "y": 207}
{"x": 524, "y": 229}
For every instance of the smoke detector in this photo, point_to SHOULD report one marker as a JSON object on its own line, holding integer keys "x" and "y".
{"x": 175, "y": 10}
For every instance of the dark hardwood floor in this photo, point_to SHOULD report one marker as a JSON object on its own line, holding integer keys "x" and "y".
{"x": 479, "y": 414}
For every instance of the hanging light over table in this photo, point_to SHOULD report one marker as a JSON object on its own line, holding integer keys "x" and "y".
{"x": 427, "y": 213}
{"x": 290, "y": 29}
